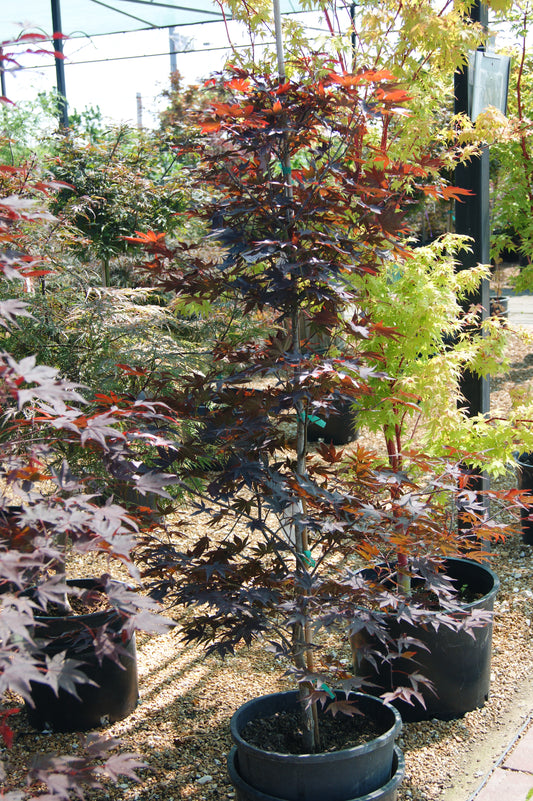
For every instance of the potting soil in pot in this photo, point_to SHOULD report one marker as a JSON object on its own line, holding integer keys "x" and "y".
{"x": 282, "y": 732}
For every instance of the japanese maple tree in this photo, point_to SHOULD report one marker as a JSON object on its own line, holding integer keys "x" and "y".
{"x": 42, "y": 504}
{"x": 303, "y": 197}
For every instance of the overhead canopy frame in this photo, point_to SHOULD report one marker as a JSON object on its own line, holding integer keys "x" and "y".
{"x": 88, "y": 18}
{"x": 102, "y": 17}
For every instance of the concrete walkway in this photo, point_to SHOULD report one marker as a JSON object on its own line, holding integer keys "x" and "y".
{"x": 521, "y": 311}
{"x": 512, "y": 777}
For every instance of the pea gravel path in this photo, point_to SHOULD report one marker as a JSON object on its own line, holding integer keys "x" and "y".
{"x": 180, "y": 726}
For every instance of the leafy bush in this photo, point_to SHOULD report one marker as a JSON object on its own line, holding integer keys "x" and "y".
{"x": 117, "y": 185}
{"x": 43, "y": 501}
{"x": 512, "y": 160}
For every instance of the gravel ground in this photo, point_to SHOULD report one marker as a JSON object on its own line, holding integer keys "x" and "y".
{"x": 180, "y": 726}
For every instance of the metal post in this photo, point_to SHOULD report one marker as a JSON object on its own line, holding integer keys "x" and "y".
{"x": 60, "y": 66}
{"x": 472, "y": 219}
{"x": 172, "y": 41}
{"x": 2, "y": 75}
{"x": 353, "y": 36}
{"x": 139, "y": 111}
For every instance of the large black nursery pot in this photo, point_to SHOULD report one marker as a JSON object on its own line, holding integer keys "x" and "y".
{"x": 499, "y": 307}
{"x": 457, "y": 663}
{"x": 388, "y": 792}
{"x": 338, "y": 428}
{"x": 525, "y": 482}
{"x": 351, "y": 773}
{"x": 114, "y": 694}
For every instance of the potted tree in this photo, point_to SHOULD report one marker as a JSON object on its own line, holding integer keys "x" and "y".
{"x": 420, "y": 295}
{"x": 499, "y": 302}
{"x": 62, "y": 660}
{"x": 304, "y": 200}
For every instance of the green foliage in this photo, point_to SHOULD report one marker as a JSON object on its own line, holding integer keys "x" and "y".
{"x": 422, "y": 340}
{"x": 119, "y": 185}
{"x": 86, "y": 334}
{"x": 25, "y": 128}
{"x": 512, "y": 158}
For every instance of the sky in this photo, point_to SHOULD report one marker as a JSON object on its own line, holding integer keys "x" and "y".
{"x": 115, "y": 77}
{"x": 113, "y": 82}
{"x": 101, "y": 71}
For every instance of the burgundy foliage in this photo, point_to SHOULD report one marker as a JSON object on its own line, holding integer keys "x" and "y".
{"x": 303, "y": 195}
{"x": 42, "y": 508}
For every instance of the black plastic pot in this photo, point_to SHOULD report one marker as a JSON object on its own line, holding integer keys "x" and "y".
{"x": 389, "y": 791}
{"x": 457, "y": 663}
{"x": 115, "y": 693}
{"x": 335, "y": 775}
{"x": 499, "y": 307}
{"x": 338, "y": 428}
{"x": 525, "y": 482}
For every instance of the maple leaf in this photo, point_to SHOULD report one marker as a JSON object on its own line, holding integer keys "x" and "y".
{"x": 239, "y": 84}
{"x": 123, "y": 765}
{"x": 6, "y": 732}
{"x": 346, "y": 707}
{"x": 131, "y": 370}
{"x": 148, "y": 238}
{"x": 18, "y": 674}
{"x": 210, "y": 127}
{"x": 65, "y": 673}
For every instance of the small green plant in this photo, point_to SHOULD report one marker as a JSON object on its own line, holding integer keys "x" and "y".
{"x": 116, "y": 185}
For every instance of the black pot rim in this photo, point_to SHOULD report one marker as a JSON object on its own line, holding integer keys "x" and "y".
{"x": 309, "y": 759}
{"x": 398, "y": 771}
{"x": 517, "y": 456}
{"x": 472, "y": 604}
{"x": 98, "y": 618}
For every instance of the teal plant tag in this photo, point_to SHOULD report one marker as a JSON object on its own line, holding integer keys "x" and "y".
{"x": 308, "y": 559}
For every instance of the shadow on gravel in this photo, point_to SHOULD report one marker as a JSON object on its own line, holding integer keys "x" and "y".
{"x": 518, "y": 373}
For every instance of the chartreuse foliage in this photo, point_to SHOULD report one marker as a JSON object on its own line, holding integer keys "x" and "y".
{"x": 419, "y": 296}
{"x": 512, "y": 157}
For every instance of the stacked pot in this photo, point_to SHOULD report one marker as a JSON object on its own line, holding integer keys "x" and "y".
{"x": 371, "y": 771}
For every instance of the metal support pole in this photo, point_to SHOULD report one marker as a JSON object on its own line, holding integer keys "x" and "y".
{"x": 2, "y": 75}
{"x": 353, "y": 36}
{"x": 472, "y": 219}
{"x": 60, "y": 66}
{"x": 139, "y": 111}
{"x": 172, "y": 42}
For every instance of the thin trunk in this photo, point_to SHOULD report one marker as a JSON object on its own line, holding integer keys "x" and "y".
{"x": 394, "y": 452}
{"x": 526, "y": 155}
{"x": 105, "y": 272}
{"x": 301, "y": 634}
{"x": 303, "y": 657}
